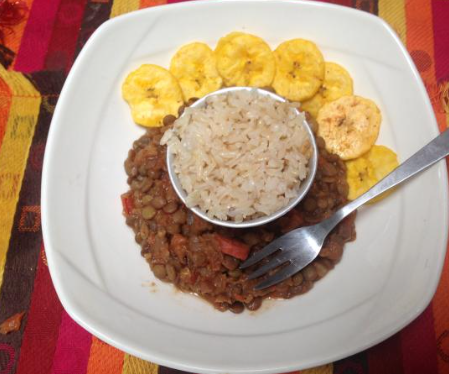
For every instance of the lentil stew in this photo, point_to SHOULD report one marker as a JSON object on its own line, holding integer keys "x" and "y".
{"x": 204, "y": 259}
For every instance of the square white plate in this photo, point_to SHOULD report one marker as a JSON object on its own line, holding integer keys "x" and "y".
{"x": 386, "y": 277}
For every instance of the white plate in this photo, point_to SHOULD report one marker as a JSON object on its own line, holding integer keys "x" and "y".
{"x": 387, "y": 276}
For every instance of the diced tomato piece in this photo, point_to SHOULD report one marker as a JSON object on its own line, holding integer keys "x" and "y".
{"x": 240, "y": 298}
{"x": 232, "y": 247}
{"x": 194, "y": 277}
{"x": 127, "y": 203}
{"x": 178, "y": 240}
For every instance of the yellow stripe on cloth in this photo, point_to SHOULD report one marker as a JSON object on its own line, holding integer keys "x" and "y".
{"x": 23, "y": 114}
{"x": 120, "y": 7}
{"x": 394, "y": 13}
{"x": 134, "y": 365}
{"x": 325, "y": 369}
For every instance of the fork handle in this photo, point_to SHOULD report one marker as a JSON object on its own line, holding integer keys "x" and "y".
{"x": 437, "y": 149}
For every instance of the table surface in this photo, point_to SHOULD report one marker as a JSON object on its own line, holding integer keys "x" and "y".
{"x": 35, "y": 57}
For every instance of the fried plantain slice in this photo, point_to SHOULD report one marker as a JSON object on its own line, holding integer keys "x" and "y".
{"x": 245, "y": 60}
{"x": 337, "y": 83}
{"x": 194, "y": 66}
{"x": 349, "y": 125}
{"x": 299, "y": 69}
{"x": 365, "y": 171}
{"x": 152, "y": 92}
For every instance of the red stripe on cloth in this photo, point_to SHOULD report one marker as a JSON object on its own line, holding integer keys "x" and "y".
{"x": 35, "y": 40}
{"x": 338, "y": 2}
{"x": 41, "y": 331}
{"x": 73, "y": 349}
{"x": 440, "y": 308}
{"x": 419, "y": 350}
{"x": 386, "y": 357}
{"x": 65, "y": 35}
{"x": 440, "y": 11}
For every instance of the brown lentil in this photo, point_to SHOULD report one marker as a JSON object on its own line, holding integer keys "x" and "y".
{"x": 159, "y": 271}
{"x": 179, "y": 216}
{"x": 237, "y": 307}
{"x": 298, "y": 278}
{"x": 148, "y": 212}
{"x": 254, "y": 304}
{"x": 168, "y": 120}
{"x": 171, "y": 272}
{"x": 310, "y": 272}
{"x": 158, "y": 202}
{"x": 170, "y": 207}
{"x": 320, "y": 268}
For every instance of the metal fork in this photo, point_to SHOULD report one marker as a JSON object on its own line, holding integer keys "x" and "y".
{"x": 300, "y": 247}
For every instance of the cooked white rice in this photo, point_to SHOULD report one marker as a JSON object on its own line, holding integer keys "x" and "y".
{"x": 243, "y": 155}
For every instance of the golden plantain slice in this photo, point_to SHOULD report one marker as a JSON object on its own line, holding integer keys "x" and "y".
{"x": 245, "y": 60}
{"x": 349, "y": 125}
{"x": 314, "y": 104}
{"x": 365, "y": 171}
{"x": 152, "y": 92}
{"x": 227, "y": 38}
{"x": 194, "y": 67}
{"x": 337, "y": 83}
{"x": 299, "y": 69}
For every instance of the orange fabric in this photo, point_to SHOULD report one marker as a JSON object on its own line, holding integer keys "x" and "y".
{"x": 5, "y": 104}
{"x": 150, "y": 3}
{"x": 104, "y": 359}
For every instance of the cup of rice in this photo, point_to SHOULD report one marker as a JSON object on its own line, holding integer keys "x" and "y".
{"x": 241, "y": 156}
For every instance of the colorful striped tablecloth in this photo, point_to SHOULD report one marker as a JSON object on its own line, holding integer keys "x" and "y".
{"x": 35, "y": 57}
